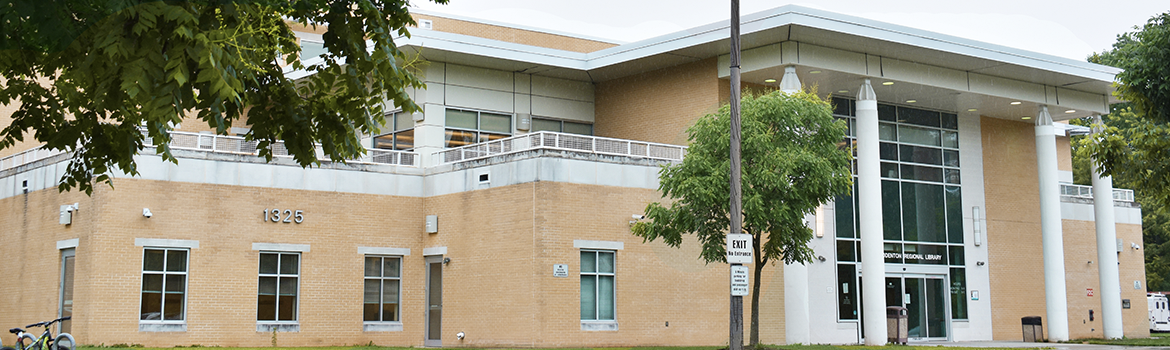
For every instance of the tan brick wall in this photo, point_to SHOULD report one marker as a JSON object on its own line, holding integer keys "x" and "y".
{"x": 1015, "y": 261}
{"x": 6, "y": 111}
{"x": 31, "y": 267}
{"x": 226, "y": 220}
{"x": 1015, "y": 249}
{"x": 1063, "y": 153}
{"x": 1080, "y": 246}
{"x": 510, "y": 247}
{"x": 514, "y": 35}
{"x": 498, "y": 288}
{"x": 641, "y": 107}
{"x": 1131, "y": 265}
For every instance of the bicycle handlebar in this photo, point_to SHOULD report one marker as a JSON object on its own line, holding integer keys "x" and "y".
{"x": 46, "y": 324}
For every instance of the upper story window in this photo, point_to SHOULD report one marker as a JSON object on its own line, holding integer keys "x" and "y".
{"x": 311, "y": 49}
{"x": 467, "y": 127}
{"x": 402, "y": 135}
{"x": 541, "y": 124}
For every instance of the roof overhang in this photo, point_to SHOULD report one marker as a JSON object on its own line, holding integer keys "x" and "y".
{"x": 849, "y": 48}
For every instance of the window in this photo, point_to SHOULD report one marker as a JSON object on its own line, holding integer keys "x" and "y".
{"x": 383, "y": 284}
{"x": 921, "y": 199}
{"x": 164, "y": 285}
{"x": 402, "y": 137}
{"x": 597, "y": 285}
{"x": 311, "y": 49}
{"x": 540, "y": 124}
{"x": 279, "y": 274}
{"x": 468, "y": 127}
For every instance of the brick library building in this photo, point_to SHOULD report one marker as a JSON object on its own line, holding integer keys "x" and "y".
{"x": 499, "y": 216}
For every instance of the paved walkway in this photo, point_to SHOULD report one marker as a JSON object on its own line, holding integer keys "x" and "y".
{"x": 1056, "y": 346}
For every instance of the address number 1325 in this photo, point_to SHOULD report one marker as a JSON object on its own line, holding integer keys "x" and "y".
{"x": 285, "y": 215}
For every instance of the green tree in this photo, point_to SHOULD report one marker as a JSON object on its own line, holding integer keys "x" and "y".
{"x": 1134, "y": 148}
{"x": 1139, "y": 151}
{"x": 791, "y": 164}
{"x": 1155, "y": 216}
{"x": 89, "y": 74}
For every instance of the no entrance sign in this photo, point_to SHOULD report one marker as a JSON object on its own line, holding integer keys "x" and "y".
{"x": 739, "y": 249}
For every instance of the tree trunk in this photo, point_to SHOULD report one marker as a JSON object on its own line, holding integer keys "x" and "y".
{"x": 758, "y": 269}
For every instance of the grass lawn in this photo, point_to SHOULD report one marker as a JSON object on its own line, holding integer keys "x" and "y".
{"x": 1155, "y": 339}
{"x": 767, "y": 347}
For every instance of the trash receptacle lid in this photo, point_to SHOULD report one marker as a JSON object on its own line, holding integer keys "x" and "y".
{"x": 1030, "y": 320}
{"x": 895, "y": 311}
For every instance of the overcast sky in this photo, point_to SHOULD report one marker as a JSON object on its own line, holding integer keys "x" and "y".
{"x": 1071, "y": 28}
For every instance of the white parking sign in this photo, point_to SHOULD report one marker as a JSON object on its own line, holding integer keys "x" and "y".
{"x": 739, "y": 249}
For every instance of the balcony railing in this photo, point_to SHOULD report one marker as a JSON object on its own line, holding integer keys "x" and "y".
{"x": 238, "y": 145}
{"x": 564, "y": 142}
{"x": 225, "y": 144}
{"x": 26, "y": 157}
{"x": 1080, "y": 191}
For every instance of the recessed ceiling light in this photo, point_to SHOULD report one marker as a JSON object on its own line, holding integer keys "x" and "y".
{"x": 842, "y": 91}
{"x": 972, "y": 110}
{"x": 769, "y": 80}
{"x": 1025, "y": 118}
{"x": 888, "y": 83}
{"x": 1071, "y": 111}
{"x": 911, "y": 101}
{"x": 1016, "y": 103}
{"x": 814, "y": 72}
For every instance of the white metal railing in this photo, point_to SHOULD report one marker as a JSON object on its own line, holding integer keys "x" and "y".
{"x": 223, "y": 144}
{"x": 28, "y": 156}
{"x": 238, "y": 145}
{"x": 1081, "y": 191}
{"x": 561, "y": 141}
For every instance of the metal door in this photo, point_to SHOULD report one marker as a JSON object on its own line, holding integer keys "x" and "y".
{"x": 434, "y": 328}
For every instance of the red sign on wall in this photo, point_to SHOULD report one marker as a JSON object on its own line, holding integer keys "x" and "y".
{"x": 1089, "y": 292}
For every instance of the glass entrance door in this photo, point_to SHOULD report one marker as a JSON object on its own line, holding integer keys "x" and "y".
{"x": 925, "y": 300}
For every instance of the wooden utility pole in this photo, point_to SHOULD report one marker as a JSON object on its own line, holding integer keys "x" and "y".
{"x": 736, "y": 210}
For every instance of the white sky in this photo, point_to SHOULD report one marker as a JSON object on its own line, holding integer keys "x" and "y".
{"x": 1070, "y": 28}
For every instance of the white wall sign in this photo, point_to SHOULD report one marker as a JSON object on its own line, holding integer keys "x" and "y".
{"x": 739, "y": 281}
{"x": 739, "y": 249}
{"x": 560, "y": 270}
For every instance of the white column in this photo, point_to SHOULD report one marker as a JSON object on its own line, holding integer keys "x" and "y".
{"x": 1107, "y": 249}
{"x": 869, "y": 214}
{"x": 790, "y": 83}
{"x": 1056, "y": 299}
{"x": 796, "y": 317}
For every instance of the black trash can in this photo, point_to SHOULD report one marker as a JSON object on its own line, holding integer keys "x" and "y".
{"x": 1033, "y": 329}
{"x": 896, "y": 331}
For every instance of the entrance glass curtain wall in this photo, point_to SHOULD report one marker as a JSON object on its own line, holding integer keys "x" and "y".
{"x": 921, "y": 216}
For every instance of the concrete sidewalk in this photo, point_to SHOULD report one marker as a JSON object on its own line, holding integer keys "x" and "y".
{"x": 1016, "y": 344}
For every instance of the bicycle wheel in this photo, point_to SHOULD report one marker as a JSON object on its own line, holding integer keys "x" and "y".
{"x": 64, "y": 341}
{"x": 29, "y": 339}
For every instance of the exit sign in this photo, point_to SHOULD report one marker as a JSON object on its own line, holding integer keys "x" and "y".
{"x": 739, "y": 249}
